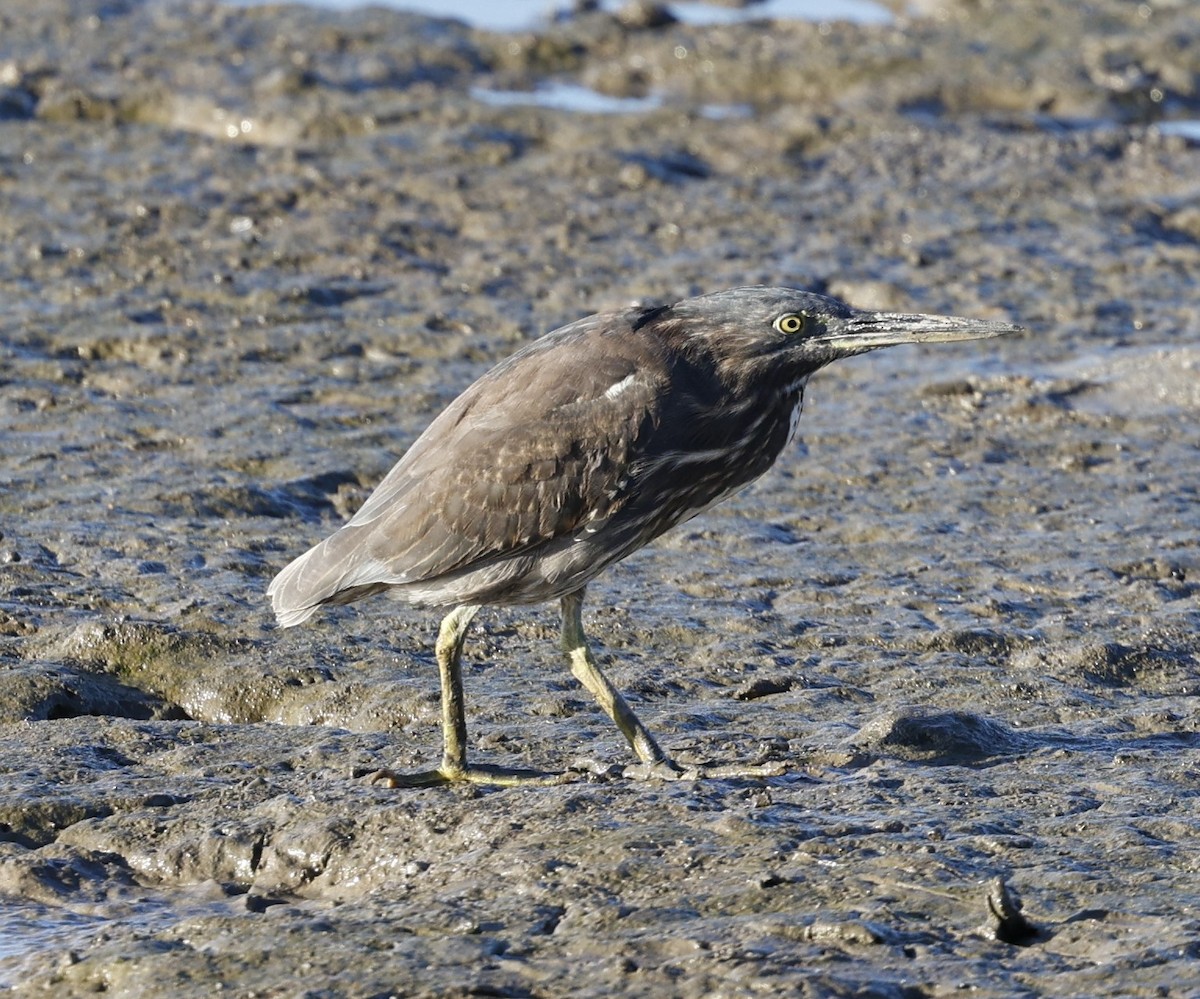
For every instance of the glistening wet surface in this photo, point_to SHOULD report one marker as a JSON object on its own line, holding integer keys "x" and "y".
{"x": 249, "y": 253}
{"x": 528, "y": 15}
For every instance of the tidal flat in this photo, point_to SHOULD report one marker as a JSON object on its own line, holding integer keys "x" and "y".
{"x": 248, "y": 253}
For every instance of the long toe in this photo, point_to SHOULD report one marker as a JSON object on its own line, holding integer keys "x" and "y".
{"x": 664, "y": 769}
{"x": 488, "y": 776}
{"x": 747, "y": 771}
{"x": 670, "y": 770}
{"x": 493, "y": 776}
{"x": 393, "y": 778}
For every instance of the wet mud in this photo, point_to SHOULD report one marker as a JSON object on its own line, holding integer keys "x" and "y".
{"x": 247, "y": 254}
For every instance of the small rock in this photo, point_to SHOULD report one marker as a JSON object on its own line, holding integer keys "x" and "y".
{"x": 1005, "y": 921}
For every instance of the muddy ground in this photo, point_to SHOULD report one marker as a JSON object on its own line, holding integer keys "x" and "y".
{"x": 247, "y": 254}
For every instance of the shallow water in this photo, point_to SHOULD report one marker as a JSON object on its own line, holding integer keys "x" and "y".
{"x": 525, "y": 15}
{"x": 1186, "y": 128}
{"x": 961, "y": 610}
{"x": 567, "y": 97}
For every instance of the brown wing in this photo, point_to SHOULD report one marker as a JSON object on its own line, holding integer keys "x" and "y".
{"x": 535, "y": 450}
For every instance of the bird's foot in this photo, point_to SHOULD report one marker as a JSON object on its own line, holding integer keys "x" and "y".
{"x": 668, "y": 769}
{"x": 748, "y": 771}
{"x": 660, "y": 770}
{"x": 488, "y": 776}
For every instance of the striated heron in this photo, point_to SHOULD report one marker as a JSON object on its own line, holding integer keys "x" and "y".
{"x": 577, "y": 450}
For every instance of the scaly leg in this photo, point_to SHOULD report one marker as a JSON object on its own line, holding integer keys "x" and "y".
{"x": 454, "y": 768}
{"x": 451, "y": 636}
{"x": 574, "y": 642}
{"x": 654, "y": 763}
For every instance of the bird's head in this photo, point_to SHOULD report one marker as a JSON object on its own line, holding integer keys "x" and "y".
{"x": 779, "y": 336}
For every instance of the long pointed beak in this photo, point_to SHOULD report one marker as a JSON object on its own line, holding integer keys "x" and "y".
{"x": 868, "y": 330}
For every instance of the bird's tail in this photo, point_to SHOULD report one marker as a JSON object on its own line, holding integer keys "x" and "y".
{"x": 293, "y": 597}
{"x": 329, "y": 573}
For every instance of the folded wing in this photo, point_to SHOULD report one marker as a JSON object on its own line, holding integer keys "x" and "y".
{"x": 523, "y": 458}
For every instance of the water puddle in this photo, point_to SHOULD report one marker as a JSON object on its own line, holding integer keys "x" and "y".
{"x": 525, "y": 15}
{"x": 559, "y": 95}
{"x": 1187, "y": 129}
{"x": 32, "y": 927}
{"x": 29, "y": 928}
{"x": 854, "y": 11}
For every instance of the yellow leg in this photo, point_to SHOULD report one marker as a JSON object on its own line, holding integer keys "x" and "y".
{"x": 451, "y": 636}
{"x": 454, "y": 768}
{"x": 653, "y": 762}
{"x": 585, "y": 670}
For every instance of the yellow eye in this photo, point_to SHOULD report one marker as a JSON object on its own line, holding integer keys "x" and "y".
{"x": 790, "y": 324}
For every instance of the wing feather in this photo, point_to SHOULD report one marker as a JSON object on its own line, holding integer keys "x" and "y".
{"x": 532, "y": 452}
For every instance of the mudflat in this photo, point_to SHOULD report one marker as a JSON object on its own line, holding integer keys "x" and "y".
{"x": 247, "y": 254}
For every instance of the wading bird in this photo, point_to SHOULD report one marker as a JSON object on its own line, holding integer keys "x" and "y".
{"x": 576, "y": 451}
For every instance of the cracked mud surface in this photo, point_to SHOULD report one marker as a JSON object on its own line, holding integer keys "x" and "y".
{"x": 248, "y": 254}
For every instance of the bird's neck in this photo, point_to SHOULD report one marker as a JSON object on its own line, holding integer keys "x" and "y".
{"x": 793, "y": 397}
